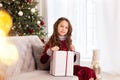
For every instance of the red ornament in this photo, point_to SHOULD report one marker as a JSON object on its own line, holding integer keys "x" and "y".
{"x": 38, "y": 26}
{"x": 31, "y": 31}
{"x": 29, "y": 1}
{"x": 42, "y": 23}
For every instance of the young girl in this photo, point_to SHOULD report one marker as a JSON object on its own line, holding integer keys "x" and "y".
{"x": 61, "y": 40}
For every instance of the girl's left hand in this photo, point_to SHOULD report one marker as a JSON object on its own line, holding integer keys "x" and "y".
{"x": 72, "y": 48}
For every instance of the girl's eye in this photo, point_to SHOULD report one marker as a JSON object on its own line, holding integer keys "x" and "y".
{"x": 62, "y": 26}
{"x": 66, "y": 27}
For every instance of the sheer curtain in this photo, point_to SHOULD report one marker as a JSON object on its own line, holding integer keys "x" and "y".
{"x": 81, "y": 15}
{"x": 42, "y": 7}
{"x": 107, "y": 34}
{"x": 60, "y": 8}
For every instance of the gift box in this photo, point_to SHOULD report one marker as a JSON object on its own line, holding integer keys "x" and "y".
{"x": 61, "y": 63}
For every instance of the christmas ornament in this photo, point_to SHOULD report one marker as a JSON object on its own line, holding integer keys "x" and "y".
{"x": 38, "y": 22}
{"x": 5, "y": 22}
{"x": 33, "y": 10}
{"x": 20, "y": 13}
{"x": 29, "y": 1}
{"x": 1, "y": 5}
{"x": 31, "y": 31}
{"x": 42, "y": 23}
{"x": 38, "y": 26}
{"x": 28, "y": 8}
{"x": 29, "y": 17}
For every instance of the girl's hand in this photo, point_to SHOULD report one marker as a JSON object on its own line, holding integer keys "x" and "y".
{"x": 55, "y": 48}
{"x": 72, "y": 48}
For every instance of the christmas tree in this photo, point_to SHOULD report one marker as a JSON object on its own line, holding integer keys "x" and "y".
{"x": 26, "y": 19}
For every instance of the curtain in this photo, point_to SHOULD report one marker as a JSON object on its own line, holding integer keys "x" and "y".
{"x": 77, "y": 12}
{"x": 60, "y": 8}
{"x": 107, "y": 34}
{"x": 64, "y": 8}
{"x": 42, "y": 7}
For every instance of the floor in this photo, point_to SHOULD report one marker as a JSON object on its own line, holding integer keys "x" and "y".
{"x": 108, "y": 76}
{"x": 105, "y": 75}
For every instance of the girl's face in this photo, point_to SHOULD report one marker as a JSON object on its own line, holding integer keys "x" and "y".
{"x": 63, "y": 28}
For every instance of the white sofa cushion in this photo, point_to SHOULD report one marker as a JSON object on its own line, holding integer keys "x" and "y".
{"x": 40, "y": 75}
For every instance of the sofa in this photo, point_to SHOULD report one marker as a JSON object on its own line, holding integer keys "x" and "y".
{"x": 28, "y": 66}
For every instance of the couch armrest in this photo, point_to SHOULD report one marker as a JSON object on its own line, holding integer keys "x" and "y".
{"x": 77, "y": 62}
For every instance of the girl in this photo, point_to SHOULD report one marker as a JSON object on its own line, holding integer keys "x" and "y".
{"x": 61, "y": 40}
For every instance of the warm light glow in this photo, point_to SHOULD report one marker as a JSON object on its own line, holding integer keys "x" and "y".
{"x": 2, "y": 33}
{"x": 5, "y": 22}
{"x": 2, "y": 43}
{"x": 9, "y": 54}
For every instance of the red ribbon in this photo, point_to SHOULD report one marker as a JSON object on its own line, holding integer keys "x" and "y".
{"x": 66, "y": 63}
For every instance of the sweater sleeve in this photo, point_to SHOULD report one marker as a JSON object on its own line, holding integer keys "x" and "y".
{"x": 45, "y": 57}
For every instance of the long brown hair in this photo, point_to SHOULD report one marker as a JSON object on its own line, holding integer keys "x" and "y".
{"x": 54, "y": 39}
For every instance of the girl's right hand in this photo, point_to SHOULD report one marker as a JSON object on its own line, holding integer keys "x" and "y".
{"x": 55, "y": 48}
{"x": 72, "y": 47}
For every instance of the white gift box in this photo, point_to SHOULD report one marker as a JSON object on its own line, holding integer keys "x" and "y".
{"x": 61, "y": 63}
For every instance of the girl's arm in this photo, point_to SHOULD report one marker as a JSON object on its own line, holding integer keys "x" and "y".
{"x": 72, "y": 48}
{"x": 46, "y": 54}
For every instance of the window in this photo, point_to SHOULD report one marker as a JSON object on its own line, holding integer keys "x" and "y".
{"x": 81, "y": 15}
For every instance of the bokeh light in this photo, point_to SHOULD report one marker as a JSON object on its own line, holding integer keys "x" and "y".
{"x": 5, "y": 22}
{"x": 8, "y": 52}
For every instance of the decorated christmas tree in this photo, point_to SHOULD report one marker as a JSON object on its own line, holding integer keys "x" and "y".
{"x": 26, "y": 19}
